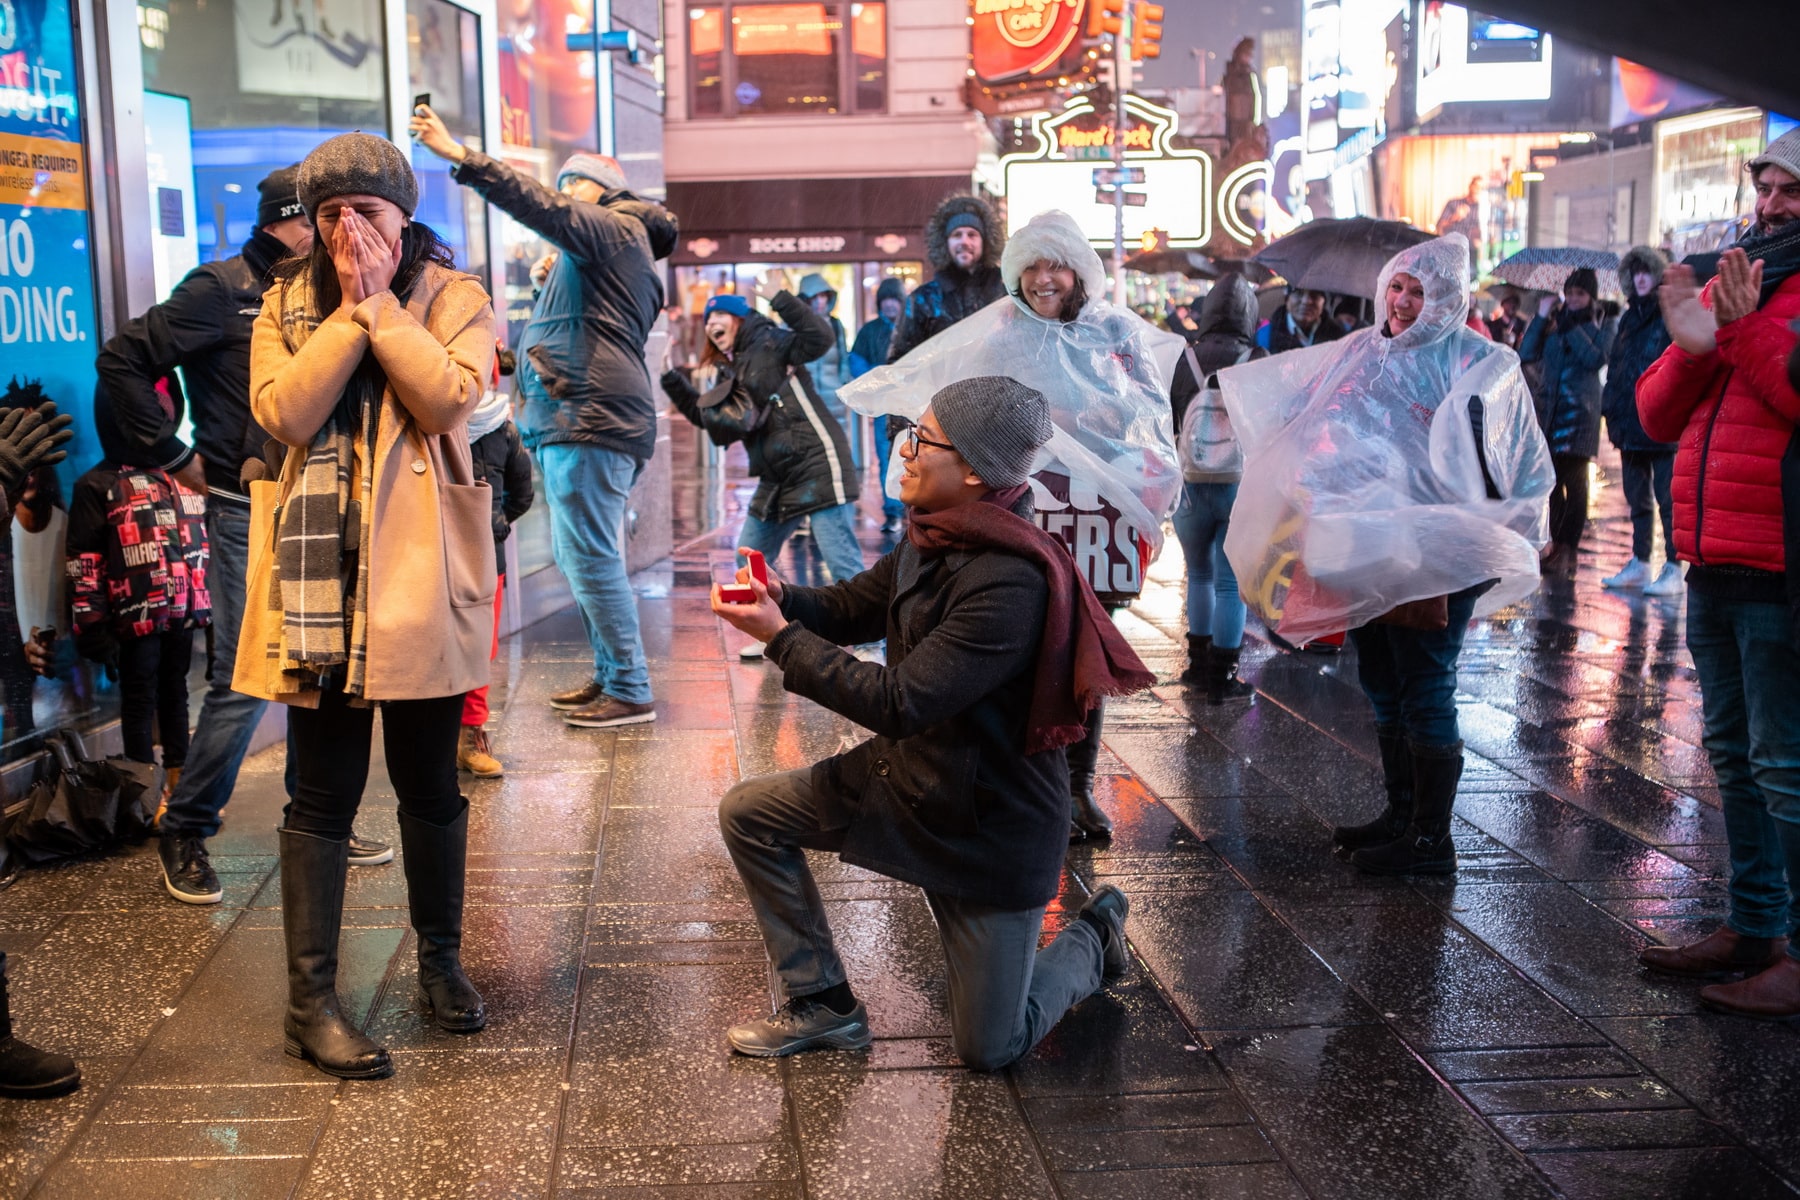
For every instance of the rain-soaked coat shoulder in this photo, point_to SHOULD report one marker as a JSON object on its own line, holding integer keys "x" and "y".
{"x": 1380, "y": 470}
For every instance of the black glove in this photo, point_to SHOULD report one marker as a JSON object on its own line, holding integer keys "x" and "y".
{"x": 673, "y": 381}
{"x": 31, "y": 438}
{"x": 1609, "y": 308}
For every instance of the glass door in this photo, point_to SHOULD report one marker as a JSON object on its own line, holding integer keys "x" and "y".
{"x": 443, "y": 61}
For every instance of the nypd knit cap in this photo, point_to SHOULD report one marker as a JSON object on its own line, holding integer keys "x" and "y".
{"x": 357, "y": 164}
{"x": 997, "y": 424}
{"x": 278, "y": 196}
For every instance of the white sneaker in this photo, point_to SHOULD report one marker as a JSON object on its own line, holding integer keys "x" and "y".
{"x": 1635, "y": 575}
{"x": 751, "y": 653}
{"x": 1670, "y": 583}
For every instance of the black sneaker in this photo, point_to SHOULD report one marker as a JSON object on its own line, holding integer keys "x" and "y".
{"x": 187, "y": 871}
{"x": 803, "y": 1024}
{"x": 365, "y": 852}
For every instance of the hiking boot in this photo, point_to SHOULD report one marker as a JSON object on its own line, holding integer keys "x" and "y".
{"x": 607, "y": 711}
{"x": 1633, "y": 576}
{"x": 581, "y": 697}
{"x": 366, "y": 852}
{"x": 27, "y": 1073}
{"x": 1722, "y": 952}
{"x": 1669, "y": 582}
{"x": 475, "y": 756}
{"x": 799, "y": 1025}
{"x": 187, "y": 871}
{"x": 1107, "y": 908}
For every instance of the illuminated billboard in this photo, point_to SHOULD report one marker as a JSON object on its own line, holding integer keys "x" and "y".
{"x": 1074, "y": 143}
{"x": 1014, "y": 40}
{"x": 1469, "y": 56}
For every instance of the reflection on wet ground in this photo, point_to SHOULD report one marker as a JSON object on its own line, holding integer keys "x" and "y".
{"x": 1288, "y": 1029}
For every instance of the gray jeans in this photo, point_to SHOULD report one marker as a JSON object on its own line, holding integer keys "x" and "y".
{"x": 1005, "y": 993}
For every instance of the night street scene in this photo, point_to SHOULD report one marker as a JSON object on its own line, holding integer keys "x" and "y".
{"x": 917, "y": 599}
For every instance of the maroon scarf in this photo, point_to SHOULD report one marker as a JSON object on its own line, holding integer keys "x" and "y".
{"x": 1083, "y": 657}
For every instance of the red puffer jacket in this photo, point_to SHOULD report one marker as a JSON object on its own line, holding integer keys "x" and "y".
{"x": 1733, "y": 413}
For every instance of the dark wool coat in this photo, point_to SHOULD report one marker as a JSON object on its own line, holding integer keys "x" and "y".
{"x": 1641, "y": 340}
{"x": 1568, "y": 391}
{"x": 952, "y": 293}
{"x": 942, "y": 795}
{"x": 581, "y": 358}
{"x": 797, "y": 449}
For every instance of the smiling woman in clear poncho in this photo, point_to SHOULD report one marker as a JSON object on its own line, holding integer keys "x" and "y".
{"x": 1110, "y": 473}
{"x": 1394, "y": 485}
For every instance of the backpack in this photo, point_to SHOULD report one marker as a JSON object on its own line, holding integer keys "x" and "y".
{"x": 1208, "y": 448}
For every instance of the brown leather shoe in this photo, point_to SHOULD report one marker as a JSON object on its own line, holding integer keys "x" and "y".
{"x": 581, "y": 697}
{"x": 608, "y": 711}
{"x": 1771, "y": 995}
{"x": 1722, "y": 952}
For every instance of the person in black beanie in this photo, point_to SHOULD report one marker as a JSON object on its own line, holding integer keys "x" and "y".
{"x": 1572, "y": 340}
{"x": 204, "y": 328}
{"x": 997, "y": 649}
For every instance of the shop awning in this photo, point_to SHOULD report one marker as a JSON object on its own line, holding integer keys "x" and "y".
{"x": 1743, "y": 49}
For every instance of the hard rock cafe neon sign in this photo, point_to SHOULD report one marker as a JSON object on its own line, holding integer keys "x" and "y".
{"x": 1016, "y": 39}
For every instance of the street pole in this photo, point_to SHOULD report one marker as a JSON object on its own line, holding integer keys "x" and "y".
{"x": 1121, "y": 85}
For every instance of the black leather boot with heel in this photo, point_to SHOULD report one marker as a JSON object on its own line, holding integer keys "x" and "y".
{"x": 1396, "y": 774}
{"x": 1084, "y": 756}
{"x": 312, "y": 913}
{"x": 1199, "y": 648}
{"x": 436, "y": 859}
{"x": 1425, "y": 847}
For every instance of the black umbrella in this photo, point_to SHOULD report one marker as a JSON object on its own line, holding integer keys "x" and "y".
{"x": 1341, "y": 256}
{"x": 1191, "y": 263}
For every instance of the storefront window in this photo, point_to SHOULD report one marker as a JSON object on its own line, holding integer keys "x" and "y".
{"x": 265, "y": 81}
{"x": 443, "y": 54}
{"x": 786, "y": 58}
{"x": 1701, "y": 182}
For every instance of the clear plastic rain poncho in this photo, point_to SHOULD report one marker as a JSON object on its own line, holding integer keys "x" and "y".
{"x": 1106, "y": 375}
{"x": 1362, "y": 489}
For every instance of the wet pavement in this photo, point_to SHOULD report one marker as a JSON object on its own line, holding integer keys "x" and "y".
{"x": 1289, "y": 1028}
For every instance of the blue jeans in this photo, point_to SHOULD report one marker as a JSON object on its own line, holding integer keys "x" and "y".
{"x": 228, "y": 719}
{"x": 588, "y": 488}
{"x": 884, "y": 450}
{"x": 1750, "y": 698}
{"x": 1005, "y": 993}
{"x": 1409, "y": 675}
{"x": 1213, "y": 606}
{"x": 833, "y": 532}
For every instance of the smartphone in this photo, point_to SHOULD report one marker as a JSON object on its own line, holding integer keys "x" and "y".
{"x": 737, "y": 593}
{"x": 422, "y": 100}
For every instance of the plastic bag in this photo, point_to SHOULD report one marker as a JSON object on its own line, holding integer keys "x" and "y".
{"x": 1106, "y": 376}
{"x": 1362, "y": 487}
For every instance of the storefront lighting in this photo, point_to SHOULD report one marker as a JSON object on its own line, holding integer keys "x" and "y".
{"x": 1532, "y": 176}
{"x": 1575, "y": 139}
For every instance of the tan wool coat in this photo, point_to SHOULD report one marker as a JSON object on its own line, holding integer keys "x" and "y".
{"x": 431, "y": 561}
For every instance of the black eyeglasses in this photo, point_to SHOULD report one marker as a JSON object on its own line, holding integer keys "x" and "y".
{"x": 911, "y": 439}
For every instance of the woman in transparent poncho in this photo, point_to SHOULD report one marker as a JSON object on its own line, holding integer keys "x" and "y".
{"x": 1110, "y": 473}
{"x": 1395, "y": 485}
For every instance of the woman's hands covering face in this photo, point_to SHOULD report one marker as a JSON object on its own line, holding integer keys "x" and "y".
{"x": 365, "y": 264}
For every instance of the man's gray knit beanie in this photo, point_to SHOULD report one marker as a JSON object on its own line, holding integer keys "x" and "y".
{"x": 357, "y": 164}
{"x": 997, "y": 424}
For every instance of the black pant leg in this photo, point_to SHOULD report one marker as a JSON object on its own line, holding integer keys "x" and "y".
{"x": 139, "y": 658}
{"x": 330, "y": 745}
{"x": 172, "y": 694}
{"x": 420, "y": 739}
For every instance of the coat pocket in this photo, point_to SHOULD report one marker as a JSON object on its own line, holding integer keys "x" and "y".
{"x": 468, "y": 521}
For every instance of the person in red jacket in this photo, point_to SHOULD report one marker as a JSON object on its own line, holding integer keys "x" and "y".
{"x": 1723, "y": 392}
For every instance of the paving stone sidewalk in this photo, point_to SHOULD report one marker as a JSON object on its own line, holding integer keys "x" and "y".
{"x": 1289, "y": 1028}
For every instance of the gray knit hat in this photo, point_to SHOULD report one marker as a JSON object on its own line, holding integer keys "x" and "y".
{"x": 997, "y": 424}
{"x": 357, "y": 164}
{"x": 1783, "y": 152}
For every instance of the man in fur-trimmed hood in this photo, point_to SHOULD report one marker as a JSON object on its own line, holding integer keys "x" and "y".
{"x": 963, "y": 242}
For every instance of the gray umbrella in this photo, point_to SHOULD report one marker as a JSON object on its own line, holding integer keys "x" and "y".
{"x": 1340, "y": 256}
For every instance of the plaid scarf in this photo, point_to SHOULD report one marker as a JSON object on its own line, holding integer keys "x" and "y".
{"x": 320, "y": 584}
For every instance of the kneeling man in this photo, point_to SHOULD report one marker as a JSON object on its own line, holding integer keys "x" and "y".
{"x": 996, "y": 650}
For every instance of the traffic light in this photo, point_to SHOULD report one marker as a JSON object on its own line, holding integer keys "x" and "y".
{"x": 1106, "y": 17}
{"x": 1154, "y": 240}
{"x": 1146, "y": 32}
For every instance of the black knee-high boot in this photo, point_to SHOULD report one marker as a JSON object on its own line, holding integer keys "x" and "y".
{"x": 1396, "y": 773}
{"x": 436, "y": 857}
{"x": 1090, "y": 822}
{"x": 312, "y": 912}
